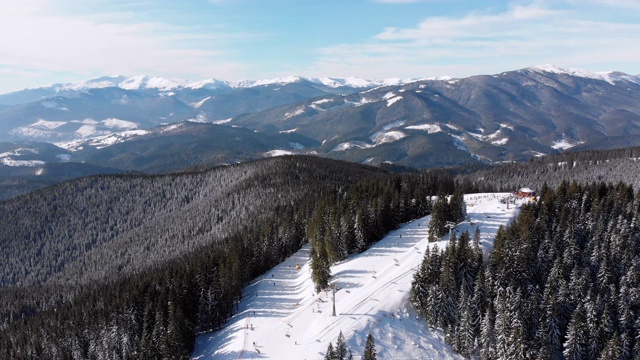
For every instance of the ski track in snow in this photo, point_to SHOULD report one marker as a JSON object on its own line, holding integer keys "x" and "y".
{"x": 283, "y": 316}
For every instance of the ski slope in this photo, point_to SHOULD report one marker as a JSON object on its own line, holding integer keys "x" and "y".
{"x": 281, "y": 317}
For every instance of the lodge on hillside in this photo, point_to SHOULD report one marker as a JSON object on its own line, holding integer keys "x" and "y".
{"x": 525, "y": 192}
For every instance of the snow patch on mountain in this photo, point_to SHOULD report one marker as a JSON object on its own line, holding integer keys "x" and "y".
{"x": 611, "y": 77}
{"x": 28, "y": 163}
{"x": 199, "y": 103}
{"x": 351, "y": 145}
{"x": 211, "y": 84}
{"x": 145, "y": 82}
{"x": 387, "y": 137}
{"x": 288, "y": 131}
{"x": 429, "y": 128}
{"x": 50, "y": 104}
{"x": 45, "y": 124}
{"x": 201, "y": 118}
{"x": 86, "y": 131}
{"x": 9, "y": 158}
{"x": 391, "y": 98}
{"x": 564, "y": 143}
{"x": 362, "y": 101}
{"x": 500, "y": 142}
{"x": 497, "y": 138}
{"x": 222, "y": 121}
{"x": 102, "y": 140}
{"x": 277, "y": 152}
{"x": 119, "y": 124}
{"x": 296, "y": 112}
{"x": 393, "y": 125}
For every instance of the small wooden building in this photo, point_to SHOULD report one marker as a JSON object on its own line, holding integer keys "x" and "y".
{"x": 525, "y": 192}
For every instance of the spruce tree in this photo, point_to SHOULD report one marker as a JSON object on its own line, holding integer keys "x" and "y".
{"x": 370, "y": 349}
{"x": 330, "y": 354}
{"x": 341, "y": 347}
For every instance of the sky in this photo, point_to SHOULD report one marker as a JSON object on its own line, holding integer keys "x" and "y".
{"x": 59, "y": 41}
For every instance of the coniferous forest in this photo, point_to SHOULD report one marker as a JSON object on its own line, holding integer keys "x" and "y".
{"x": 134, "y": 266}
{"x": 562, "y": 282}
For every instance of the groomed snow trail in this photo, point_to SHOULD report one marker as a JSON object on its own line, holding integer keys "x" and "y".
{"x": 281, "y": 317}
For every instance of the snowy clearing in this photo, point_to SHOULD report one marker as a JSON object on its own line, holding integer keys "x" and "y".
{"x": 429, "y": 128}
{"x": 281, "y": 317}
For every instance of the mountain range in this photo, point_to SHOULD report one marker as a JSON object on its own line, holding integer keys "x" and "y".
{"x": 155, "y": 125}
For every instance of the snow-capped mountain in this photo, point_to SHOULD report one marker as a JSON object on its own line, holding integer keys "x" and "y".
{"x": 160, "y": 85}
{"x": 414, "y": 122}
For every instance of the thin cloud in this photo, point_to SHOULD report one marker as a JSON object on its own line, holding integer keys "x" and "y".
{"x": 42, "y": 39}
{"x": 521, "y": 36}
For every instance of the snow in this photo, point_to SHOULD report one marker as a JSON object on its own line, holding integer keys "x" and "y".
{"x": 362, "y": 101}
{"x": 201, "y": 118}
{"x": 493, "y": 137}
{"x": 387, "y": 137}
{"x": 283, "y": 316}
{"x": 279, "y": 81}
{"x": 393, "y": 100}
{"x": 220, "y": 122}
{"x": 145, "y": 82}
{"x": 294, "y": 113}
{"x": 393, "y": 125}
{"x": 86, "y": 130}
{"x": 199, "y": 103}
{"x": 288, "y": 131}
{"x": 452, "y": 127}
{"x": 106, "y": 140}
{"x": 45, "y": 124}
{"x": 500, "y": 142}
{"x": 609, "y": 76}
{"x": 322, "y": 101}
{"x": 211, "y": 84}
{"x": 296, "y": 145}
{"x": 277, "y": 152}
{"x": 350, "y": 145}
{"x": 172, "y": 127}
{"x": 7, "y": 161}
{"x": 388, "y": 96}
{"x": 564, "y": 144}
{"x": 429, "y": 128}
{"x": 64, "y": 157}
{"x": 506, "y": 126}
{"x": 119, "y": 124}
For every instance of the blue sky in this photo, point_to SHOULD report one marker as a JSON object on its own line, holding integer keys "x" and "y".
{"x": 51, "y": 41}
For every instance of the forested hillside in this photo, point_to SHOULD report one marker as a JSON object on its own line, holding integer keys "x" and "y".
{"x": 135, "y": 266}
{"x": 611, "y": 166}
{"x": 561, "y": 282}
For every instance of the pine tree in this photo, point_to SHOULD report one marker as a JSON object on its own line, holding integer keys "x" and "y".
{"x": 330, "y": 354}
{"x": 574, "y": 345}
{"x": 370, "y": 349}
{"x": 341, "y": 347}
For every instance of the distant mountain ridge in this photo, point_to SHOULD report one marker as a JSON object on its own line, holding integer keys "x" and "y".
{"x": 157, "y": 125}
{"x": 160, "y": 84}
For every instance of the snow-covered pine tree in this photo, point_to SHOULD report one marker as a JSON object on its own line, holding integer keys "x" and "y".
{"x": 370, "y": 352}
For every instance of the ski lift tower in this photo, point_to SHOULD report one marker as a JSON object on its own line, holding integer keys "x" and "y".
{"x": 333, "y": 289}
{"x": 450, "y": 225}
